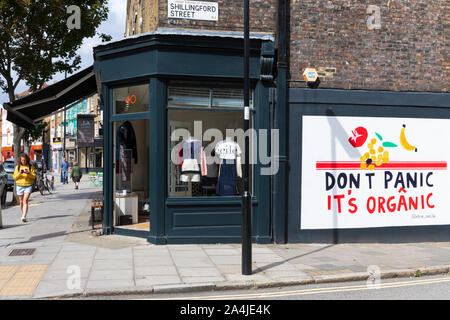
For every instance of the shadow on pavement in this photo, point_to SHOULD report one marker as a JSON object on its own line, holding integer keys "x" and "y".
{"x": 53, "y": 217}
{"x": 275, "y": 264}
{"x": 47, "y": 236}
{"x": 59, "y": 196}
{"x": 11, "y": 226}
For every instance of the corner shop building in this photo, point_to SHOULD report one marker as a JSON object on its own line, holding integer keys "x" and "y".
{"x": 158, "y": 82}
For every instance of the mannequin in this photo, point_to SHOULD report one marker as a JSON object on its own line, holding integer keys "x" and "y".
{"x": 192, "y": 159}
{"x": 229, "y": 168}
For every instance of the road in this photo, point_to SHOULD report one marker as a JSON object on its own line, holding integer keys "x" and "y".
{"x": 423, "y": 288}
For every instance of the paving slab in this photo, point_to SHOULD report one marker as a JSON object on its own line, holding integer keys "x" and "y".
{"x": 112, "y": 264}
{"x": 198, "y": 272}
{"x": 106, "y": 275}
{"x": 158, "y": 280}
{"x": 110, "y": 284}
{"x": 155, "y": 271}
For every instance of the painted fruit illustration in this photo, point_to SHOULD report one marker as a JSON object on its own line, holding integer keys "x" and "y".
{"x": 370, "y": 160}
{"x": 404, "y": 142}
{"x": 359, "y": 137}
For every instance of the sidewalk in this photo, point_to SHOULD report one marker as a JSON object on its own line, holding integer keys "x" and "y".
{"x": 59, "y": 232}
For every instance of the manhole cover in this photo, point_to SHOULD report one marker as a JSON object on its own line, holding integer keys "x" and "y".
{"x": 21, "y": 252}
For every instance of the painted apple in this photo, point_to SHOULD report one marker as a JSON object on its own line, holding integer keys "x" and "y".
{"x": 359, "y": 137}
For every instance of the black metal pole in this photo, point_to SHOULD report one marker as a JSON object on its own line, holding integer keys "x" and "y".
{"x": 246, "y": 196}
{"x": 64, "y": 140}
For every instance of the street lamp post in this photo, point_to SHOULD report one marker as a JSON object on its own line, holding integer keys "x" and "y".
{"x": 246, "y": 196}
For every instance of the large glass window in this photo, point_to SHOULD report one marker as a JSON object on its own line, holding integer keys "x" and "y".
{"x": 131, "y": 174}
{"x": 206, "y": 142}
{"x": 131, "y": 99}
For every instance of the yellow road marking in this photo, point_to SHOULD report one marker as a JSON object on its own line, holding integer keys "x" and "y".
{"x": 313, "y": 291}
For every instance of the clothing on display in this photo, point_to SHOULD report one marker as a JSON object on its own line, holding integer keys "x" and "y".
{"x": 126, "y": 151}
{"x": 126, "y": 137}
{"x": 193, "y": 160}
{"x": 227, "y": 181}
{"x": 229, "y": 168}
{"x": 227, "y": 149}
{"x": 125, "y": 162}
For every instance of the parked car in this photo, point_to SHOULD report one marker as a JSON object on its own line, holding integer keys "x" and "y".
{"x": 9, "y": 167}
{"x": 3, "y": 184}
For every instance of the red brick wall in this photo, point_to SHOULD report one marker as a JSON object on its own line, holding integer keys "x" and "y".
{"x": 409, "y": 52}
{"x": 231, "y": 17}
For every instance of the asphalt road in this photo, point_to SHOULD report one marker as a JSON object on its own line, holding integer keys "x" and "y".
{"x": 423, "y": 288}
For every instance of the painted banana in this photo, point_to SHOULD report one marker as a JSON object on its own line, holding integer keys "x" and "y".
{"x": 405, "y": 144}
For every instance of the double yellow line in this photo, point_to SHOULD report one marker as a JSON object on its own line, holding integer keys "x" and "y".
{"x": 314, "y": 291}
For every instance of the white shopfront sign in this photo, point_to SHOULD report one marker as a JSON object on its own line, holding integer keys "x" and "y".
{"x": 361, "y": 172}
{"x": 194, "y": 10}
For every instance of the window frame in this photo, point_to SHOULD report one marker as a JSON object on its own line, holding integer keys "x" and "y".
{"x": 205, "y": 109}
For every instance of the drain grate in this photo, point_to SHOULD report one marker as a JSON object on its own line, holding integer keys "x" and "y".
{"x": 21, "y": 252}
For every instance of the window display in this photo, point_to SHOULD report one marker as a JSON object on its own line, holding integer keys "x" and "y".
{"x": 206, "y": 164}
{"x": 131, "y": 179}
{"x": 229, "y": 168}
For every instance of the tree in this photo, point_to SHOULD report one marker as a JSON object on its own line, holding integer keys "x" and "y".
{"x": 37, "y": 43}
{"x": 32, "y": 134}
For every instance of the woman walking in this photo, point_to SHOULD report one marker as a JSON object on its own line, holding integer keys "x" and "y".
{"x": 24, "y": 176}
{"x": 75, "y": 174}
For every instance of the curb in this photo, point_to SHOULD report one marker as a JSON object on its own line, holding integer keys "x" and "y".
{"x": 245, "y": 285}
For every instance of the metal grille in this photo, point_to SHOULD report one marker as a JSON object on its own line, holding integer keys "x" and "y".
{"x": 21, "y": 252}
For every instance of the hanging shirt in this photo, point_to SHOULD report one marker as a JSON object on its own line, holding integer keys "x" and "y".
{"x": 126, "y": 137}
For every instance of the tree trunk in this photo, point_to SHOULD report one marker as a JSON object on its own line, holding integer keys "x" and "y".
{"x": 18, "y": 133}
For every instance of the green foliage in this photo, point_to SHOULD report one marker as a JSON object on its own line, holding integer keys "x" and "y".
{"x": 36, "y": 42}
{"x": 418, "y": 274}
{"x": 35, "y": 132}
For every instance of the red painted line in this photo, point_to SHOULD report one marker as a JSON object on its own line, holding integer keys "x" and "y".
{"x": 393, "y": 165}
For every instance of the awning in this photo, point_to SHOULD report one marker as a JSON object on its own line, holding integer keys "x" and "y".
{"x": 40, "y": 104}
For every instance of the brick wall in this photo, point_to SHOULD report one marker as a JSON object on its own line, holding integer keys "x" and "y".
{"x": 407, "y": 49}
{"x": 231, "y": 17}
{"x": 142, "y": 16}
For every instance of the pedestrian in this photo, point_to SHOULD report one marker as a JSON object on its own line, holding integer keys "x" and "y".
{"x": 65, "y": 172}
{"x": 24, "y": 176}
{"x": 75, "y": 174}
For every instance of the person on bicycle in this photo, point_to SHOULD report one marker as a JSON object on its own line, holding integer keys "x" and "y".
{"x": 24, "y": 176}
{"x": 75, "y": 174}
{"x": 64, "y": 171}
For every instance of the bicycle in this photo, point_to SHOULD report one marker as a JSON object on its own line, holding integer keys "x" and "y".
{"x": 52, "y": 183}
{"x": 44, "y": 183}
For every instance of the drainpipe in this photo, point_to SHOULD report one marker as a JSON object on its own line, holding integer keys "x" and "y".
{"x": 280, "y": 214}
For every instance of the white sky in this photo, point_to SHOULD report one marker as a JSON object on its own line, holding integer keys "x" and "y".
{"x": 114, "y": 26}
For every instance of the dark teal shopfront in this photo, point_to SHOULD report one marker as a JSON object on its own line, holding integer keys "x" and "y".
{"x": 159, "y": 82}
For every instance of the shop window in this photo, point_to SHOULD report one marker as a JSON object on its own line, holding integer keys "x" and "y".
{"x": 131, "y": 99}
{"x": 189, "y": 97}
{"x": 211, "y": 164}
{"x": 131, "y": 173}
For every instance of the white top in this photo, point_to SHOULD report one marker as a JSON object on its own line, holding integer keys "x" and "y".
{"x": 228, "y": 149}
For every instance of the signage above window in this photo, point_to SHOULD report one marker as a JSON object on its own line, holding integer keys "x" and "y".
{"x": 193, "y": 10}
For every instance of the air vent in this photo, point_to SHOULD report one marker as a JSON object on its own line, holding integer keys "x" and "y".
{"x": 21, "y": 252}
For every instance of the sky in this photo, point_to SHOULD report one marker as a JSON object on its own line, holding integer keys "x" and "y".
{"x": 113, "y": 26}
